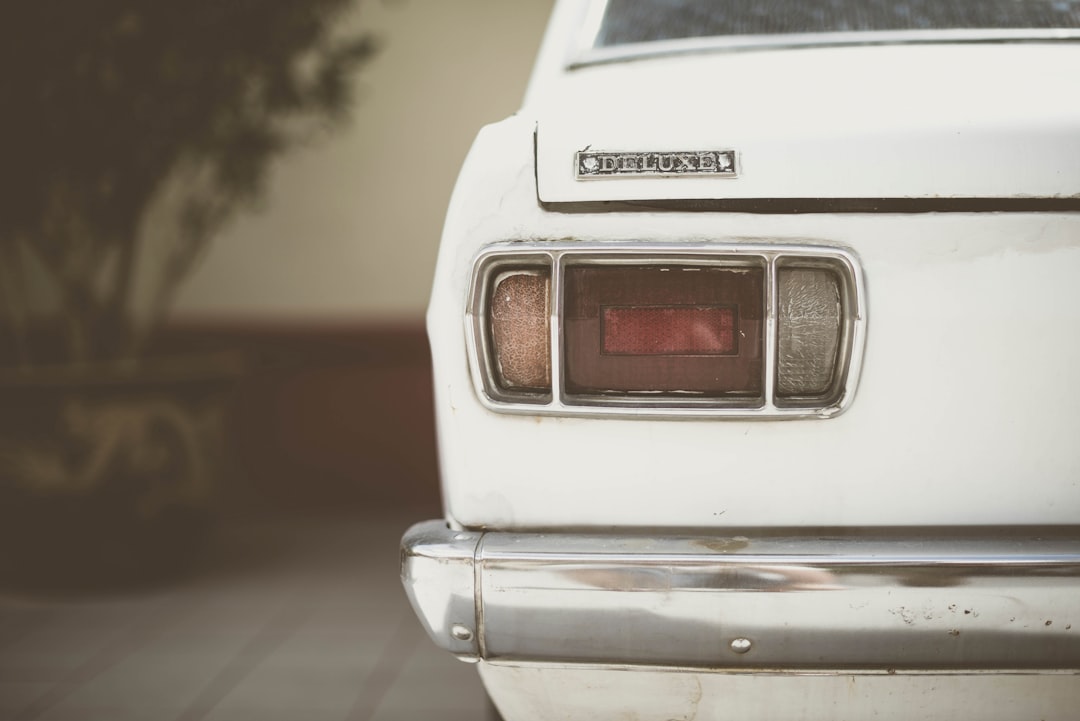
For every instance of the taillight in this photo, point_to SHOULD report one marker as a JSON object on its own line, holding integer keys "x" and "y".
{"x": 668, "y": 330}
{"x": 512, "y": 307}
{"x": 577, "y": 329}
{"x": 681, "y": 329}
{"x": 520, "y": 311}
{"x": 809, "y": 326}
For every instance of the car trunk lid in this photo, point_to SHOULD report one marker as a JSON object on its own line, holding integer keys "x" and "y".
{"x": 918, "y": 122}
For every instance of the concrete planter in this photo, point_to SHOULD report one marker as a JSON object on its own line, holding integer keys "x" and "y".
{"x": 108, "y": 472}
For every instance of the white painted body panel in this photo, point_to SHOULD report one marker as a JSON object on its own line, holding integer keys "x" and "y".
{"x": 964, "y": 414}
{"x": 847, "y": 122}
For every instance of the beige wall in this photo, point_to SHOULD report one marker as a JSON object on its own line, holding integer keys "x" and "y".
{"x": 350, "y": 226}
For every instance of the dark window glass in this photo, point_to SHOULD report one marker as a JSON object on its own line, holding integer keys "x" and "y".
{"x": 637, "y": 21}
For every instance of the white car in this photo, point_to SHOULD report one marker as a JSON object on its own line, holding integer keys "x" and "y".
{"x": 757, "y": 363}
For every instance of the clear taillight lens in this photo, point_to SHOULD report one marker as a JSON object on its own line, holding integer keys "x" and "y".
{"x": 520, "y": 312}
{"x": 809, "y": 325}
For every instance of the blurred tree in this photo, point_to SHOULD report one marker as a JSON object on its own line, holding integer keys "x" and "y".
{"x": 108, "y": 104}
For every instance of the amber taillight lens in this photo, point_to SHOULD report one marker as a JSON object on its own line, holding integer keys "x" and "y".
{"x": 520, "y": 313}
{"x": 663, "y": 330}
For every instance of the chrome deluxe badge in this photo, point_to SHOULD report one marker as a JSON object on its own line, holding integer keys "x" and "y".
{"x": 697, "y": 163}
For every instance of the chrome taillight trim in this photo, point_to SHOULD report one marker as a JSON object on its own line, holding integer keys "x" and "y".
{"x": 557, "y": 254}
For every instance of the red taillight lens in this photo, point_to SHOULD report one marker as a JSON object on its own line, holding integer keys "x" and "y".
{"x": 668, "y": 330}
{"x": 520, "y": 310}
{"x": 680, "y": 330}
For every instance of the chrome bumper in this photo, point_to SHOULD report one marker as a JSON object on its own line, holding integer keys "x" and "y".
{"x": 748, "y": 604}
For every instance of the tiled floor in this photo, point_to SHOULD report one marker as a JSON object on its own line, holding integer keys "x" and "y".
{"x": 298, "y": 620}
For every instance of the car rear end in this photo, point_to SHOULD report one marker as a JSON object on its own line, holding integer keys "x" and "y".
{"x": 755, "y": 375}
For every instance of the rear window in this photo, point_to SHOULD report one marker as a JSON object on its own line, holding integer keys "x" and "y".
{"x": 642, "y": 21}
